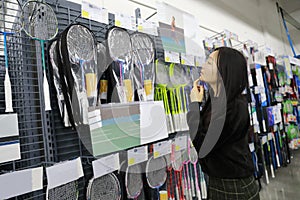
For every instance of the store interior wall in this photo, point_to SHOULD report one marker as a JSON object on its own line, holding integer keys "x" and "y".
{"x": 256, "y": 20}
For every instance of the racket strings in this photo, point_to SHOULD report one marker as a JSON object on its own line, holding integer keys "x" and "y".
{"x": 81, "y": 44}
{"x": 156, "y": 172}
{"x": 39, "y": 20}
{"x": 119, "y": 44}
{"x": 105, "y": 187}
{"x": 67, "y": 192}
{"x": 143, "y": 48}
{"x": 134, "y": 182}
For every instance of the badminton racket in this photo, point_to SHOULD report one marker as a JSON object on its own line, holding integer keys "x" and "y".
{"x": 176, "y": 160}
{"x": 186, "y": 173}
{"x": 40, "y": 23}
{"x": 104, "y": 187}
{"x": 263, "y": 159}
{"x": 57, "y": 82}
{"x": 162, "y": 80}
{"x": 170, "y": 188}
{"x": 194, "y": 161}
{"x": 143, "y": 55}
{"x": 82, "y": 72}
{"x": 156, "y": 173}
{"x": 120, "y": 50}
{"x": 133, "y": 181}
{"x": 67, "y": 191}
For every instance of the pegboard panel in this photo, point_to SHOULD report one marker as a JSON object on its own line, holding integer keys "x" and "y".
{"x": 43, "y": 138}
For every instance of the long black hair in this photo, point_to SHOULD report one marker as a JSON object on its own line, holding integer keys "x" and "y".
{"x": 232, "y": 66}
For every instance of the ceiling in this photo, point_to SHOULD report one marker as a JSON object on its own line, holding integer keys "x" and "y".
{"x": 290, "y": 6}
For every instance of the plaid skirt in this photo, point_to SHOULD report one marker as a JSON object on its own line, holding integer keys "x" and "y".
{"x": 229, "y": 189}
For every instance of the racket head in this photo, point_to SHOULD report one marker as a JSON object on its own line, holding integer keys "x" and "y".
{"x": 177, "y": 161}
{"x": 176, "y": 74}
{"x": 143, "y": 48}
{"x": 119, "y": 44}
{"x": 39, "y": 20}
{"x": 193, "y": 154}
{"x": 133, "y": 181}
{"x": 156, "y": 172}
{"x": 162, "y": 75}
{"x": 66, "y": 191}
{"x": 104, "y": 187}
{"x": 81, "y": 44}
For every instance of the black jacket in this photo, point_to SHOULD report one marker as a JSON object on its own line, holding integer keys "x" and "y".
{"x": 230, "y": 157}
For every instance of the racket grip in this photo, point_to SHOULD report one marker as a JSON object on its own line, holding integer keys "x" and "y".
{"x": 177, "y": 192}
{"x": 267, "y": 176}
{"x": 46, "y": 93}
{"x": 193, "y": 186}
{"x": 8, "y": 95}
{"x": 277, "y": 158}
{"x": 171, "y": 123}
{"x": 199, "y": 195}
{"x": 272, "y": 171}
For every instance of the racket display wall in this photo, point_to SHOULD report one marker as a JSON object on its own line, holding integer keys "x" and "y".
{"x": 33, "y": 122}
{"x": 43, "y": 138}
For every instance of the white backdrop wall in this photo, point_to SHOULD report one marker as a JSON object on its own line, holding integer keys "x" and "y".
{"x": 256, "y": 20}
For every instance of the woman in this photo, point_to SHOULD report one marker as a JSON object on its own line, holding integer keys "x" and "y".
{"x": 219, "y": 130}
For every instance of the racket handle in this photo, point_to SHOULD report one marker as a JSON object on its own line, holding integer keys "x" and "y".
{"x": 199, "y": 195}
{"x": 267, "y": 176}
{"x": 46, "y": 93}
{"x": 8, "y": 95}
{"x": 171, "y": 123}
{"x": 177, "y": 192}
{"x": 193, "y": 186}
{"x": 278, "y": 161}
{"x": 272, "y": 171}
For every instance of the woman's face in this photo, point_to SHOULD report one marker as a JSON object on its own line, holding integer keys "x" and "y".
{"x": 209, "y": 72}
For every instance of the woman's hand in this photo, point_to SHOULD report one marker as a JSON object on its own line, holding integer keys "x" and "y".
{"x": 196, "y": 95}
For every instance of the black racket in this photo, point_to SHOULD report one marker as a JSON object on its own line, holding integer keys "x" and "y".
{"x": 120, "y": 50}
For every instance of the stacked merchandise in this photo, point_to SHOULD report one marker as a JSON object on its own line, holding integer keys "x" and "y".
{"x": 291, "y": 103}
{"x": 273, "y": 112}
{"x": 132, "y": 75}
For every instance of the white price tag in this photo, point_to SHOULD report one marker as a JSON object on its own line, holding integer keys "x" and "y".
{"x": 281, "y": 126}
{"x": 147, "y": 27}
{"x": 162, "y": 148}
{"x": 271, "y": 66}
{"x": 275, "y": 128}
{"x": 180, "y": 143}
{"x": 187, "y": 59}
{"x": 251, "y": 147}
{"x": 172, "y": 57}
{"x": 270, "y": 136}
{"x": 125, "y": 21}
{"x": 137, "y": 155}
{"x": 92, "y": 12}
{"x": 264, "y": 139}
{"x": 106, "y": 165}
